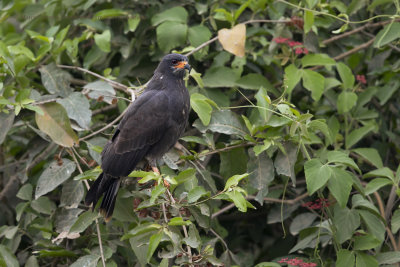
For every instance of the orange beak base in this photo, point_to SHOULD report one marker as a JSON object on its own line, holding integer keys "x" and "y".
{"x": 180, "y": 65}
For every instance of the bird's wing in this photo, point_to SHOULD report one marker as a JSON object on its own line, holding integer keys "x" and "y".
{"x": 144, "y": 124}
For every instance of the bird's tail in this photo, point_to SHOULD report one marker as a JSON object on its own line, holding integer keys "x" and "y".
{"x": 108, "y": 186}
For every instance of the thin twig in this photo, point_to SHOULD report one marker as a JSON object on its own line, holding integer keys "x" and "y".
{"x": 390, "y": 202}
{"x": 354, "y": 50}
{"x": 220, "y": 238}
{"x": 202, "y": 45}
{"x": 266, "y": 199}
{"x": 189, "y": 251}
{"x": 105, "y": 127}
{"x": 218, "y": 150}
{"x": 114, "y": 84}
{"x": 382, "y": 211}
{"x": 104, "y": 109}
{"x": 71, "y": 152}
{"x": 390, "y": 45}
{"x": 164, "y": 212}
{"x": 345, "y": 34}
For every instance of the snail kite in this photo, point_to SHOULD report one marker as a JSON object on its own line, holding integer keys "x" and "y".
{"x": 151, "y": 126}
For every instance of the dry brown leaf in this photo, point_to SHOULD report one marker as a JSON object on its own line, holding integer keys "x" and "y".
{"x": 56, "y": 124}
{"x": 233, "y": 40}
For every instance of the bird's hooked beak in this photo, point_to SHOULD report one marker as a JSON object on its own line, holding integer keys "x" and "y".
{"x": 182, "y": 65}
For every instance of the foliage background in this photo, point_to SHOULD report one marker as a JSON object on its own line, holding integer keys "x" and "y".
{"x": 291, "y": 157}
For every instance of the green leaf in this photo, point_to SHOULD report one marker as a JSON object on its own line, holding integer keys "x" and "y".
{"x": 201, "y": 106}
{"x": 371, "y": 155}
{"x": 376, "y": 184}
{"x": 302, "y": 221}
{"x": 196, "y": 193}
{"x": 292, "y": 77}
{"x": 197, "y": 77}
{"x": 53, "y": 176}
{"x": 83, "y": 221}
{"x": 223, "y": 121}
{"x": 317, "y": 60}
{"x": 154, "y": 241}
{"x": 234, "y": 180}
{"x": 6, "y": 122}
{"x": 156, "y": 192}
{"x": 253, "y": 81}
{"x": 261, "y": 174}
{"x": 55, "y": 80}
{"x": 43, "y": 205}
{"x": 193, "y": 239}
{"x": 7, "y": 258}
{"x": 185, "y": 175}
{"x": 345, "y": 258}
{"x": 263, "y": 102}
{"x": 346, "y": 222}
{"x": 101, "y": 89}
{"x": 317, "y": 175}
{"x": 382, "y": 172}
{"x": 365, "y": 260}
{"x": 109, "y": 13}
{"x": 198, "y": 35}
{"x": 387, "y": 35}
{"x": 133, "y": 22}
{"x": 171, "y": 34}
{"x": 320, "y": 125}
{"x": 233, "y": 162}
{"x": 238, "y": 199}
{"x": 141, "y": 229}
{"x": 268, "y": 264}
{"x": 86, "y": 261}
{"x": 103, "y": 41}
{"x": 285, "y": 161}
{"x": 56, "y": 124}
{"x": 32, "y": 262}
{"x": 177, "y": 14}
{"x": 340, "y": 184}
{"x": 25, "y": 192}
{"x": 341, "y": 157}
{"x": 374, "y": 224}
{"x": 308, "y": 20}
{"x": 390, "y": 257}
{"x": 346, "y": 75}
{"x": 314, "y": 82}
{"x": 72, "y": 194}
{"x": 220, "y": 77}
{"x": 78, "y": 108}
{"x": 358, "y": 134}
{"x": 395, "y": 221}
{"x": 346, "y": 101}
{"x": 365, "y": 242}
{"x": 386, "y": 91}
{"x": 21, "y": 50}
{"x": 178, "y": 221}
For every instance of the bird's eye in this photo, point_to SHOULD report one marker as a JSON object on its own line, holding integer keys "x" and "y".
{"x": 174, "y": 61}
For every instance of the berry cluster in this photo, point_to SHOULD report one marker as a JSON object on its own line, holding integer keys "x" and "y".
{"x": 298, "y": 47}
{"x": 361, "y": 79}
{"x": 317, "y": 204}
{"x": 297, "y": 262}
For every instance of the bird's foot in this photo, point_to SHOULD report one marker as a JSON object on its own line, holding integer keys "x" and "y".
{"x": 156, "y": 170}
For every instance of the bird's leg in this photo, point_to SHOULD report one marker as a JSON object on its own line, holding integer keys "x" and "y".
{"x": 156, "y": 170}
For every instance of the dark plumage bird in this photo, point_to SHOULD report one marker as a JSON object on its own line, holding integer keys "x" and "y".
{"x": 151, "y": 126}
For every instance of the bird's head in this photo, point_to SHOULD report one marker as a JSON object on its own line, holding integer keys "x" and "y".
{"x": 174, "y": 64}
